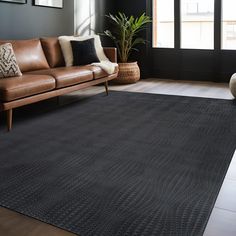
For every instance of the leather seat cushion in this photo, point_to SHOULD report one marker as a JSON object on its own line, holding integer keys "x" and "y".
{"x": 98, "y": 72}
{"x": 67, "y": 76}
{"x": 26, "y": 85}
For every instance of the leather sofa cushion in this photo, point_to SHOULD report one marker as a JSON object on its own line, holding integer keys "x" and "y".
{"x": 29, "y": 54}
{"x": 53, "y": 52}
{"x": 97, "y": 71}
{"x": 67, "y": 76}
{"x": 26, "y": 85}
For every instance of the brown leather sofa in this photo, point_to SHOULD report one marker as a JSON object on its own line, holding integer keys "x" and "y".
{"x": 45, "y": 75}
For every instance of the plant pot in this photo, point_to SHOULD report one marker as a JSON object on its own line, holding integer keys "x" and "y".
{"x": 129, "y": 73}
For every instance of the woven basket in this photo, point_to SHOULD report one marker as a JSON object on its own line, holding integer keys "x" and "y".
{"x": 129, "y": 73}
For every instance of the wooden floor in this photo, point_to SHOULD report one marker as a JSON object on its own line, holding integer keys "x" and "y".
{"x": 223, "y": 217}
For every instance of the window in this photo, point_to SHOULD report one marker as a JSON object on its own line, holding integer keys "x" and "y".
{"x": 163, "y": 23}
{"x": 228, "y": 24}
{"x": 197, "y": 24}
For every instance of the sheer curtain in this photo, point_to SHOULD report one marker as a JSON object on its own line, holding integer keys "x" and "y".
{"x": 84, "y": 17}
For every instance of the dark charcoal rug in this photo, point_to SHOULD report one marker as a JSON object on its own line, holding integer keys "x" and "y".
{"x": 123, "y": 165}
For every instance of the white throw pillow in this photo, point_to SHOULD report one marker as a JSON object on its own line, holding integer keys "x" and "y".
{"x": 67, "y": 49}
{"x": 8, "y": 63}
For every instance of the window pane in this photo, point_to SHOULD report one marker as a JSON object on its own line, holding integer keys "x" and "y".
{"x": 197, "y": 24}
{"x": 228, "y": 24}
{"x": 163, "y": 23}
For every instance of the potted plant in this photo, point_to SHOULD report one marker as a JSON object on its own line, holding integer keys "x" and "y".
{"x": 125, "y": 36}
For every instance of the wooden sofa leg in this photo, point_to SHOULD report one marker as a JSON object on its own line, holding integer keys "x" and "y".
{"x": 106, "y": 87}
{"x": 9, "y": 119}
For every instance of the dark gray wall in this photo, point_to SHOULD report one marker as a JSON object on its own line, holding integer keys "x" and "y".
{"x": 22, "y": 21}
{"x": 103, "y": 8}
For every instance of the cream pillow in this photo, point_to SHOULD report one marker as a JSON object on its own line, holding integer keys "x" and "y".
{"x": 8, "y": 64}
{"x": 67, "y": 49}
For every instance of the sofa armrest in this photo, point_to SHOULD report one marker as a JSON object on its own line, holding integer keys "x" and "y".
{"x": 111, "y": 53}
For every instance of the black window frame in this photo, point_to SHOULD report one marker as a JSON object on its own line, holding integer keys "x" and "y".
{"x": 177, "y": 27}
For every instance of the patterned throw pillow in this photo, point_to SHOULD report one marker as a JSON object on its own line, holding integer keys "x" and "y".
{"x": 8, "y": 64}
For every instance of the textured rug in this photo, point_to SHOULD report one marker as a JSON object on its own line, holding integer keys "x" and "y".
{"x": 123, "y": 165}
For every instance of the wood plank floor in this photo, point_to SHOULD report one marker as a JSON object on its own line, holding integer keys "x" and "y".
{"x": 223, "y": 217}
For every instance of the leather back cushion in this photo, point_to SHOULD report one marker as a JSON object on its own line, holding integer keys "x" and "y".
{"x": 53, "y": 52}
{"x": 29, "y": 54}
